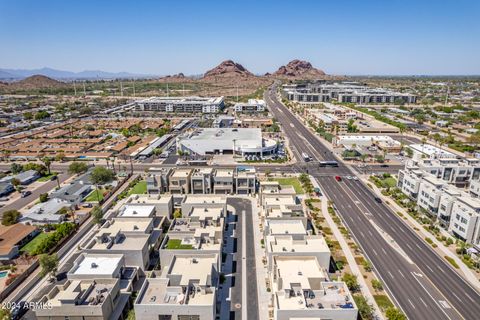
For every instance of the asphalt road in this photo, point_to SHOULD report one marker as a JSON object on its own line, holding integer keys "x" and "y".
{"x": 46, "y": 187}
{"x": 244, "y": 206}
{"x": 421, "y": 282}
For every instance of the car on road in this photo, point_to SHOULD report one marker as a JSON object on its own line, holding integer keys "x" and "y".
{"x": 348, "y": 177}
{"x": 19, "y": 310}
{"x": 338, "y": 178}
{"x": 4, "y": 199}
{"x": 377, "y": 199}
{"x": 384, "y": 166}
{"x": 26, "y": 194}
{"x": 355, "y": 178}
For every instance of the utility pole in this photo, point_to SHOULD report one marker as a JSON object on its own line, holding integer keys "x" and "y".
{"x": 446, "y": 96}
{"x": 75, "y": 88}
{"x": 167, "y": 91}
{"x": 134, "y": 87}
{"x": 121, "y": 88}
{"x": 84, "y": 89}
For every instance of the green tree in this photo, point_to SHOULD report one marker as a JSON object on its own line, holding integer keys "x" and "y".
{"x": 101, "y": 175}
{"x": 364, "y": 308}
{"x": 49, "y": 264}
{"x": 16, "y": 168}
{"x": 10, "y": 217}
{"x": 367, "y": 265}
{"x": 5, "y": 314}
{"x": 177, "y": 214}
{"x": 43, "y": 197}
{"x": 351, "y": 282}
{"x": 60, "y": 156}
{"x": 40, "y": 115}
{"x": 395, "y": 314}
{"x": 16, "y": 183}
{"x": 40, "y": 168}
{"x": 97, "y": 214}
{"x": 77, "y": 167}
{"x": 47, "y": 161}
{"x": 28, "y": 115}
{"x": 377, "y": 285}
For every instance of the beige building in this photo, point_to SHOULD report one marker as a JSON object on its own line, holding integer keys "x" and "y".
{"x": 179, "y": 181}
{"x": 187, "y": 289}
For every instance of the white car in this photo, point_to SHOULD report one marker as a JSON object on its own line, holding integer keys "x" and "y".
{"x": 348, "y": 177}
{"x": 355, "y": 178}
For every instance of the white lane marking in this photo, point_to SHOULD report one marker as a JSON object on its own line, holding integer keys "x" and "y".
{"x": 412, "y": 304}
{"x": 385, "y": 252}
{"x": 423, "y": 301}
{"x": 391, "y": 275}
{"x": 444, "y": 304}
{"x": 429, "y": 268}
{"x": 401, "y": 273}
{"x": 456, "y": 296}
{"x": 443, "y": 271}
{"x": 362, "y": 234}
{"x": 375, "y": 252}
{"x": 371, "y": 234}
{"x": 441, "y": 303}
{"x": 409, "y": 247}
{"x": 468, "y": 296}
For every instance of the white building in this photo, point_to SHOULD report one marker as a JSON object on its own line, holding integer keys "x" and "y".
{"x": 242, "y": 141}
{"x": 181, "y": 104}
{"x": 465, "y": 220}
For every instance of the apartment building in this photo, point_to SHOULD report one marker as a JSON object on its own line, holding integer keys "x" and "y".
{"x": 302, "y": 290}
{"x": 95, "y": 299}
{"x": 223, "y": 181}
{"x": 465, "y": 220}
{"x": 186, "y": 289}
{"x": 448, "y": 197}
{"x": 180, "y": 181}
{"x": 429, "y": 194}
{"x": 286, "y": 245}
{"x": 294, "y": 228}
{"x": 202, "y": 181}
{"x": 181, "y": 104}
{"x": 158, "y": 180}
{"x": 409, "y": 182}
{"x": 210, "y": 201}
{"x": 135, "y": 247}
{"x": 163, "y": 203}
{"x": 272, "y": 188}
{"x": 192, "y": 236}
{"x": 246, "y": 180}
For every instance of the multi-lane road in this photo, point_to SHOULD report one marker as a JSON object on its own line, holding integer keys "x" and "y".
{"x": 421, "y": 282}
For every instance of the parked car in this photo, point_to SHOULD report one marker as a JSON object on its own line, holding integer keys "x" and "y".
{"x": 338, "y": 178}
{"x": 377, "y": 199}
{"x": 4, "y": 199}
{"x": 53, "y": 178}
{"x": 26, "y": 194}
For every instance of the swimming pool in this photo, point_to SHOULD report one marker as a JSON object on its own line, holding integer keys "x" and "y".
{"x": 3, "y": 274}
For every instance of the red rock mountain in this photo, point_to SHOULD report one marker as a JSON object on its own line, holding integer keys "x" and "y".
{"x": 228, "y": 68}
{"x": 299, "y": 69}
{"x": 37, "y": 81}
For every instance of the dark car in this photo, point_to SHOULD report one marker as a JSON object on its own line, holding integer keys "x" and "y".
{"x": 26, "y": 194}
{"x": 53, "y": 178}
{"x": 384, "y": 166}
{"x": 19, "y": 310}
{"x": 377, "y": 199}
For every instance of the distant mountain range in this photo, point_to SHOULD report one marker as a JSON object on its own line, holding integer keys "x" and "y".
{"x": 17, "y": 74}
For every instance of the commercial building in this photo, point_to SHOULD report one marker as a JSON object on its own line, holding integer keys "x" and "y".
{"x": 252, "y": 106}
{"x": 181, "y": 104}
{"x": 187, "y": 289}
{"x": 211, "y": 141}
{"x": 382, "y": 142}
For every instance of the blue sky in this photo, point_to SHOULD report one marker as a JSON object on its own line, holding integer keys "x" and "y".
{"x": 164, "y": 37}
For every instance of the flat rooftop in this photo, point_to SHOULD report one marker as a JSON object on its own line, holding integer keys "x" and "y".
{"x": 206, "y": 213}
{"x": 149, "y": 199}
{"x": 80, "y": 292}
{"x": 137, "y": 211}
{"x": 277, "y": 199}
{"x": 204, "y": 198}
{"x": 93, "y": 264}
{"x": 181, "y": 173}
{"x": 121, "y": 242}
{"x": 286, "y": 227}
{"x": 284, "y": 243}
{"x": 297, "y": 271}
{"x": 116, "y": 225}
{"x": 192, "y": 269}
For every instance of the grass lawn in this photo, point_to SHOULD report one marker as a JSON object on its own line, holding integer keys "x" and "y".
{"x": 383, "y": 301}
{"x": 47, "y": 177}
{"x": 139, "y": 188}
{"x": 297, "y": 185}
{"x": 391, "y": 182}
{"x": 92, "y": 197}
{"x": 173, "y": 244}
{"x": 30, "y": 246}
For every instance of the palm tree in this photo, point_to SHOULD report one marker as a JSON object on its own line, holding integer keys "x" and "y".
{"x": 48, "y": 162}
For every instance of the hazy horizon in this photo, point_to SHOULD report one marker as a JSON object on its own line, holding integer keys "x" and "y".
{"x": 145, "y": 37}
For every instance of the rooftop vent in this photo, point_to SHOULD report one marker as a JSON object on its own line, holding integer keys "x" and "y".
{"x": 94, "y": 265}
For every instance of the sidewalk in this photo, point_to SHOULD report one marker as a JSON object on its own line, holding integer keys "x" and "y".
{"x": 264, "y": 297}
{"x": 464, "y": 271}
{"x": 348, "y": 255}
